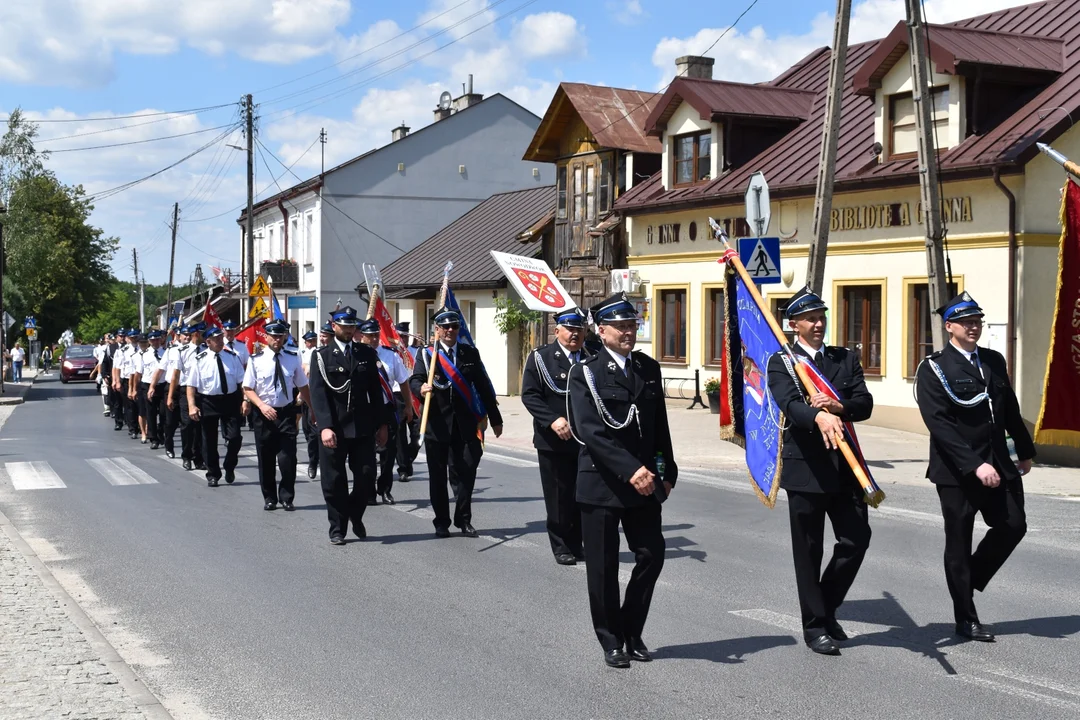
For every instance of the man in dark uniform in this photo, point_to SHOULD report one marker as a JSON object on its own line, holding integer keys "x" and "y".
{"x": 408, "y": 445}
{"x": 968, "y": 405}
{"x": 815, "y": 475}
{"x": 625, "y": 471}
{"x": 311, "y": 433}
{"x": 214, "y": 397}
{"x": 396, "y": 375}
{"x": 452, "y": 434}
{"x": 543, "y": 392}
{"x": 352, "y": 418}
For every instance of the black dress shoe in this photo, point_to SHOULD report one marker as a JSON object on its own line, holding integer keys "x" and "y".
{"x": 389, "y": 499}
{"x": 311, "y": 473}
{"x": 373, "y": 500}
{"x": 287, "y": 506}
{"x": 200, "y": 466}
{"x": 403, "y": 477}
{"x": 823, "y": 645}
{"x": 337, "y": 540}
{"x": 170, "y": 454}
{"x": 565, "y": 559}
{"x": 636, "y": 649}
{"x": 441, "y": 532}
{"x": 579, "y": 556}
{"x": 230, "y": 477}
{"x": 835, "y": 631}
{"x": 616, "y": 658}
{"x": 270, "y": 506}
{"x": 187, "y": 464}
{"x": 212, "y": 482}
{"x": 155, "y": 445}
{"x": 469, "y": 531}
{"x": 359, "y": 530}
{"x": 973, "y": 630}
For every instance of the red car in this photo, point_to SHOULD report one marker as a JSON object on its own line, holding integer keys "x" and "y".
{"x": 77, "y": 363}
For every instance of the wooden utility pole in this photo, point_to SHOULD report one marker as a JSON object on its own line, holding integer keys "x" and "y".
{"x": 249, "y": 231}
{"x": 172, "y": 265}
{"x": 819, "y": 243}
{"x": 928, "y": 169}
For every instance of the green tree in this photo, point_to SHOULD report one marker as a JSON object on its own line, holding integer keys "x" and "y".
{"x": 18, "y": 156}
{"x": 118, "y": 310}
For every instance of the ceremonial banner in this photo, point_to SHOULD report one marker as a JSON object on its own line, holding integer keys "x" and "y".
{"x": 756, "y": 420}
{"x": 388, "y": 336}
{"x": 210, "y": 316}
{"x": 254, "y": 332}
{"x": 1059, "y": 416}
{"x": 534, "y": 282}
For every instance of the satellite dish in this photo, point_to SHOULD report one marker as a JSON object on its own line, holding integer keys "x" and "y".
{"x": 444, "y": 100}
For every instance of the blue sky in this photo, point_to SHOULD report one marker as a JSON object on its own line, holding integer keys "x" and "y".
{"x": 335, "y": 65}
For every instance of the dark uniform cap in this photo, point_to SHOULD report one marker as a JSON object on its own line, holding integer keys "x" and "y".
{"x": 276, "y": 327}
{"x": 804, "y": 301}
{"x": 402, "y": 327}
{"x": 214, "y": 331}
{"x": 199, "y": 327}
{"x": 154, "y": 334}
{"x": 120, "y": 332}
{"x": 310, "y": 335}
{"x": 344, "y": 316}
{"x": 615, "y": 308}
{"x": 447, "y": 316}
{"x": 370, "y": 327}
{"x": 961, "y": 306}
{"x": 327, "y": 328}
{"x": 229, "y": 325}
{"x": 574, "y": 318}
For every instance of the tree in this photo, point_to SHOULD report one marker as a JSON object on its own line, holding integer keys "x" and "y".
{"x": 119, "y": 310}
{"x": 18, "y": 156}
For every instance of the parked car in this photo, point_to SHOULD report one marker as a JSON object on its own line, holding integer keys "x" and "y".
{"x": 77, "y": 363}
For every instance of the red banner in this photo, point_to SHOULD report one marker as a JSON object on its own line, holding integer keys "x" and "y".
{"x": 388, "y": 336}
{"x": 1059, "y": 416}
{"x": 253, "y": 333}
{"x": 210, "y": 316}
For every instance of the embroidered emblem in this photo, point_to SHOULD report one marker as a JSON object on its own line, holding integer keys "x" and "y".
{"x": 611, "y": 365}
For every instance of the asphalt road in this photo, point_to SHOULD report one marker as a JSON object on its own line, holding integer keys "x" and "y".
{"x": 227, "y": 611}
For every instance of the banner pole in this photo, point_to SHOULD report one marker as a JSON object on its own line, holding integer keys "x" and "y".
{"x": 873, "y": 497}
{"x": 434, "y": 352}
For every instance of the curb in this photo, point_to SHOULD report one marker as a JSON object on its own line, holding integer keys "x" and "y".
{"x": 144, "y": 699}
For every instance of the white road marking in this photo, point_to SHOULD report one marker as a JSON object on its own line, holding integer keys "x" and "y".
{"x": 199, "y": 473}
{"x": 510, "y": 460}
{"x": 35, "y": 475}
{"x": 784, "y": 622}
{"x": 121, "y": 471}
{"x": 1017, "y": 692}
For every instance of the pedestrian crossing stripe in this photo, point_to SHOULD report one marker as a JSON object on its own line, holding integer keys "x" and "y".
{"x": 121, "y": 471}
{"x": 34, "y": 475}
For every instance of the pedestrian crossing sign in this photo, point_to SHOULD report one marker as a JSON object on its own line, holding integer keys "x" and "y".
{"x": 259, "y": 288}
{"x": 259, "y": 308}
{"x": 761, "y": 258}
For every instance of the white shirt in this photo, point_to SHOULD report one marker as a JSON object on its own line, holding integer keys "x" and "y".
{"x": 620, "y": 360}
{"x": 185, "y": 362}
{"x": 152, "y": 359}
{"x": 17, "y": 355}
{"x": 305, "y": 357}
{"x": 240, "y": 349}
{"x": 811, "y": 352}
{"x": 395, "y": 368}
{"x": 123, "y": 360}
{"x": 205, "y": 377}
{"x": 100, "y": 351}
{"x": 259, "y": 377}
{"x": 170, "y": 362}
{"x": 569, "y": 353}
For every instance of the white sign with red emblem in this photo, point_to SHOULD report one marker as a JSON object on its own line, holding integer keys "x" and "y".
{"x": 534, "y": 281}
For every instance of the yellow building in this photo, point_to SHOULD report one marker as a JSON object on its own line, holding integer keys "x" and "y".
{"x": 1000, "y": 82}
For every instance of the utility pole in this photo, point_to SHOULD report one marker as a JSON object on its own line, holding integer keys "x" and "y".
{"x": 928, "y": 170}
{"x": 142, "y": 304}
{"x": 819, "y": 242}
{"x": 135, "y": 269}
{"x": 172, "y": 265}
{"x": 322, "y": 139}
{"x": 249, "y": 231}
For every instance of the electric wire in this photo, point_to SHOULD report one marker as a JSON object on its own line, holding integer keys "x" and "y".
{"x": 115, "y": 129}
{"x": 180, "y": 236}
{"x": 140, "y": 142}
{"x": 129, "y": 117}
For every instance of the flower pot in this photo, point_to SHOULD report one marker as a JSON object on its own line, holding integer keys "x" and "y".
{"x": 714, "y": 402}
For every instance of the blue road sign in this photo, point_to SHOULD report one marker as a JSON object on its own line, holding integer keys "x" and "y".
{"x": 302, "y": 302}
{"x": 761, "y": 258}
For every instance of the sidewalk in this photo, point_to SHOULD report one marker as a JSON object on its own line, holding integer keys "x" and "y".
{"x": 14, "y": 393}
{"x": 894, "y": 456}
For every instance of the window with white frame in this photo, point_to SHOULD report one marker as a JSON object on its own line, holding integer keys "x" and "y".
{"x": 269, "y": 249}
{"x": 294, "y": 237}
{"x": 309, "y": 235}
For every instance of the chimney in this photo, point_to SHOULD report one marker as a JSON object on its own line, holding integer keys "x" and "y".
{"x": 442, "y": 113}
{"x": 468, "y": 98}
{"x": 694, "y": 66}
{"x": 399, "y": 132}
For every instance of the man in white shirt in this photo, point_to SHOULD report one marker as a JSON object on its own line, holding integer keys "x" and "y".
{"x": 214, "y": 398}
{"x": 311, "y": 433}
{"x": 397, "y": 375}
{"x": 180, "y": 377}
{"x": 270, "y": 381}
{"x": 153, "y": 388}
{"x": 123, "y": 365}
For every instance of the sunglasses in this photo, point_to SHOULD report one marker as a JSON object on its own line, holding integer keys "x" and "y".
{"x": 451, "y": 326}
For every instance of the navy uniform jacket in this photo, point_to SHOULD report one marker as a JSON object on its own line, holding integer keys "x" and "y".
{"x": 808, "y": 466}
{"x": 544, "y": 404}
{"x": 358, "y": 412}
{"x": 610, "y": 457}
{"x": 449, "y": 412}
{"x": 963, "y": 438}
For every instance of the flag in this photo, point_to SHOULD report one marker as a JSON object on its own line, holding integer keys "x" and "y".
{"x": 253, "y": 332}
{"x": 1059, "y": 416}
{"x": 756, "y": 423}
{"x": 210, "y": 316}
{"x": 463, "y": 334}
{"x": 278, "y": 315}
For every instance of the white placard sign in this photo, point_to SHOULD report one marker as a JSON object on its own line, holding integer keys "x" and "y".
{"x": 534, "y": 282}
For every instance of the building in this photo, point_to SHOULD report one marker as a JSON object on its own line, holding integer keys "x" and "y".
{"x": 596, "y": 138}
{"x": 1000, "y": 82}
{"x": 519, "y": 222}
{"x": 312, "y": 239}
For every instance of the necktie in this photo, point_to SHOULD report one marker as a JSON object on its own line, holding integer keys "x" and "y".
{"x": 221, "y": 375}
{"x": 348, "y": 351}
{"x": 576, "y": 357}
{"x": 279, "y": 375}
{"x": 450, "y": 355}
{"x": 818, "y": 359}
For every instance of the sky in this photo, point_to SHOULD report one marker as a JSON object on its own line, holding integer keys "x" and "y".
{"x": 354, "y": 67}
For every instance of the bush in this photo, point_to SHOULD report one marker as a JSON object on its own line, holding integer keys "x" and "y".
{"x": 712, "y": 386}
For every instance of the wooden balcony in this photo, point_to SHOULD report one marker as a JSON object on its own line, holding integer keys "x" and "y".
{"x": 281, "y": 275}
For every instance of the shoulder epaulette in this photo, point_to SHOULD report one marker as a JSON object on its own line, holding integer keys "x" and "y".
{"x": 287, "y": 351}
{"x": 228, "y": 350}
{"x": 589, "y": 359}
{"x": 200, "y": 355}
{"x": 935, "y": 355}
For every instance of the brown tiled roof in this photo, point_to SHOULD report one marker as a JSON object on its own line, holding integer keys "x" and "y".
{"x": 791, "y": 164}
{"x": 952, "y": 47}
{"x": 614, "y": 116}
{"x": 492, "y": 225}
{"x": 715, "y": 99}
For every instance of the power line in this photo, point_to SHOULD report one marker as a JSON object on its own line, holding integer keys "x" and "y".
{"x": 129, "y": 117}
{"x": 120, "y": 127}
{"x": 147, "y": 140}
{"x": 196, "y": 247}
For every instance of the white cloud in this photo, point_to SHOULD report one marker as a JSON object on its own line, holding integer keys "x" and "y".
{"x": 548, "y": 34}
{"x": 626, "y": 12}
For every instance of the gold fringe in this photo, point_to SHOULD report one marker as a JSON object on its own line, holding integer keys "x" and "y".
{"x": 1062, "y": 215}
{"x": 1068, "y": 438}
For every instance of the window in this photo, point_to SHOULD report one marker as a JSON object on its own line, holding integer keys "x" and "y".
{"x": 903, "y": 139}
{"x": 294, "y": 237}
{"x": 860, "y": 324}
{"x": 605, "y": 185}
{"x": 714, "y": 331}
{"x": 921, "y": 315}
{"x": 268, "y": 255}
{"x": 779, "y": 307}
{"x": 309, "y": 238}
{"x": 590, "y": 192}
{"x": 579, "y": 194}
{"x": 560, "y": 182}
{"x": 692, "y": 158}
{"x": 673, "y": 325}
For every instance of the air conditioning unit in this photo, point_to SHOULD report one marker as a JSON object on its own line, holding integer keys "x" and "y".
{"x": 627, "y": 281}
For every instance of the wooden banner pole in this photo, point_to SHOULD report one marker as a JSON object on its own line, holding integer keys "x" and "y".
{"x": 434, "y": 354}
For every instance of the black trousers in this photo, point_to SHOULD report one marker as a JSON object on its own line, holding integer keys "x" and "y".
{"x": 311, "y": 437}
{"x": 615, "y": 621}
{"x": 558, "y": 477}
{"x": 142, "y": 409}
{"x": 275, "y": 447}
{"x": 1003, "y": 511}
{"x": 191, "y": 442}
{"x": 131, "y": 413}
{"x": 408, "y": 438}
{"x": 342, "y": 505}
{"x": 219, "y": 412}
{"x": 387, "y": 456}
{"x": 154, "y": 410}
{"x": 464, "y": 456}
{"x": 172, "y": 418}
{"x": 820, "y": 594}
